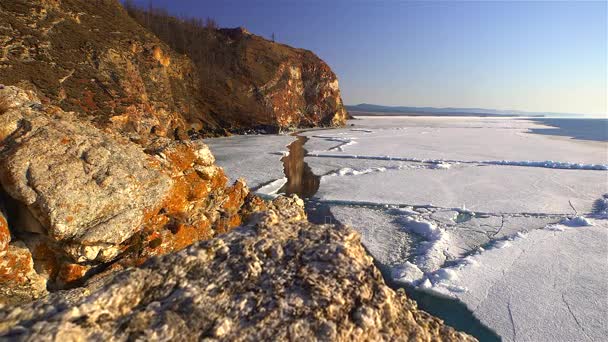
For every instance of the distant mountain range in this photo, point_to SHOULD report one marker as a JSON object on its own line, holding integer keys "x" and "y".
{"x": 371, "y": 109}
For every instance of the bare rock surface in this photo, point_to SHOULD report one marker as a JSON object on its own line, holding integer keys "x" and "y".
{"x": 272, "y": 280}
{"x": 85, "y": 186}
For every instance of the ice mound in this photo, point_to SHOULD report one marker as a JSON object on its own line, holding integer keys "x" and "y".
{"x": 549, "y": 164}
{"x": 347, "y": 171}
{"x": 430, "y": 253}
{"x": 407, "y": 273}
{"x": 577, "y": 221}
{"x": 426, "y": 229}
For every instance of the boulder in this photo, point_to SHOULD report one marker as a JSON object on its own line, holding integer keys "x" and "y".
{"x": 89, "y": 189}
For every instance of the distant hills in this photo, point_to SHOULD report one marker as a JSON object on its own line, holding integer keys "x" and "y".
{"x": 372, "y": 109}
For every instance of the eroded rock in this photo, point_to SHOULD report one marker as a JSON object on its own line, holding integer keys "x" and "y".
{"x": 283, "y": 281}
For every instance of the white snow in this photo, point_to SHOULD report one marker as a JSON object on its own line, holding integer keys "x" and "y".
{"x": 407, "y": 273}
{"x": 495, "y": 189}
{"x": 426, "y": 229}
{"x": 463, "y": 139}
{"x": 550, "y": 164}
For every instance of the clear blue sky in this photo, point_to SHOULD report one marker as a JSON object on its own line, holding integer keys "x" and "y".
{"x": 534, "y": 56}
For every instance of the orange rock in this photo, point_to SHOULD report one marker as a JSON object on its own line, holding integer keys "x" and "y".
{"x": 69, "y": 273}
{"x": 46, "y": 260}
{"x": 18, "y": 280}
{"x": 5, "y": 234}
{"x": 235, "y": 197}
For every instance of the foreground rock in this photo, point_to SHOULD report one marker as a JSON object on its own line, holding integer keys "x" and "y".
{"x": 272, "y": 280}
{"x": 82, "y": 199}
{"x": 88, "y": 189}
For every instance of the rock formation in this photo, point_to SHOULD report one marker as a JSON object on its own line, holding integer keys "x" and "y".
{"x": 272, "y": 280}
{"x": 92, "y": 58}
{"x": 82, "y": 198}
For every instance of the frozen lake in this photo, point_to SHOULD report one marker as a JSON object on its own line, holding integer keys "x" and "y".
{"x": 513, "y": 224}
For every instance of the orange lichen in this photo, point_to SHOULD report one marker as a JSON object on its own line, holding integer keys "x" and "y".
{"x": 46, "y": 260}
{"x": 181, "y": 156}
{"x": 5, "y": 234}
{"x": 15, "y": 266}
{"x": 184, "y": 236}
{"x": 69, "y": 273}
{"x": 235, "y": 196}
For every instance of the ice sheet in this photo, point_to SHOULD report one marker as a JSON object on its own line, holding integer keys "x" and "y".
{"x": 465, "y": 138}
{"x": 547, "y": 285}
{"x": 494, "y": 189}
{"x": 257, "y": 158}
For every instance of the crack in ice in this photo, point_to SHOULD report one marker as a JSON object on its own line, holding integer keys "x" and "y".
{"x": 550, "y": 164}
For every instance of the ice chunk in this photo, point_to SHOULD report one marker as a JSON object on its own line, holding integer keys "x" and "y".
{"x": 577, "y": 221}
{"x": 407, "y": 273}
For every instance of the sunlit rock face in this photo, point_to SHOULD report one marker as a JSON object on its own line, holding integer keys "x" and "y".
{"x": 80, "y": 201}
{"x": 290, "y": 88}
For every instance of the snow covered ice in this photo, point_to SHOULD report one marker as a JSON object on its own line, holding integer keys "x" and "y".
{"x": 513, "y": 224}
{"x": 257, "y": 158}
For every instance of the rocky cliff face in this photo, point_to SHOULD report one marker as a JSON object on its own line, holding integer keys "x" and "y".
{"x": 91, "y": 57}
{"x": 267, "y": 83}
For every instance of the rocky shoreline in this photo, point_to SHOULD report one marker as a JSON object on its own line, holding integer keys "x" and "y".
{"x": 115, "y": 225}
{"x": 277, "y": 275}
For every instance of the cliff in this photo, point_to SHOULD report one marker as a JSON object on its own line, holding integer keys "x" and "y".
{"x": 248, "y": 81}
{"x": 91, "y": 57}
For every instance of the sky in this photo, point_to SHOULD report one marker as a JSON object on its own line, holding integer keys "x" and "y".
{"x": 531, "y": 56}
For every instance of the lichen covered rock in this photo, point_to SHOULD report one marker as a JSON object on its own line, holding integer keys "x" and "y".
{"x": 19, "y": 281}
{"x": 268, "y": 281}
{"x": 89, "y": 189}
{"x": 85, "y": 200}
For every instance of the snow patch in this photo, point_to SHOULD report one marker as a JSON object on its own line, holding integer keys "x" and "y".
{"x": 427, "y": 230}
{"x": 347, "y": 171}
{"x": 430, "y": 253}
